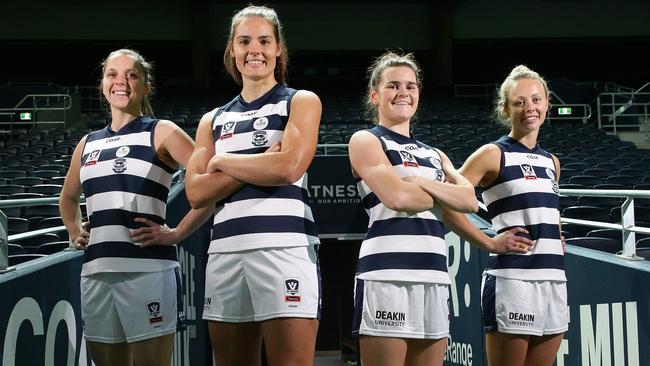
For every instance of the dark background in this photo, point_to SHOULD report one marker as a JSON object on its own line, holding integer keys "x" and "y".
{"x": 331, "y": 43}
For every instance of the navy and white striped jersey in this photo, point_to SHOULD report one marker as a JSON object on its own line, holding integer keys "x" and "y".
{"x": 122, "y": 178}
{"x": 402, "y": 246}
{"x": 259, "y": 216}
{"x": 526, "y": 194}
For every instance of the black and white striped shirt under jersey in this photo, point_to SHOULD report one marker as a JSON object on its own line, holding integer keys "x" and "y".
{"x": 402, "y": 246}
{"x": 526, "y": 194}
{"x": 259, "y": 216}
{"x": 122, "y": 178}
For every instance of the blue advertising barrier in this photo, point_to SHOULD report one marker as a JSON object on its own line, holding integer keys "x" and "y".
{"x": 40, "y": 316}
{"x": 609, "y": 306}
{"x": 334, "y": 198}
{"x": 40, "y": 319}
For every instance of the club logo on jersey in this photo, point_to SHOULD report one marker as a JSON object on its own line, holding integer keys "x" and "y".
{"x": 440, "y": 176}
{"x": 92, "y": 158}
{"x": 292, "y": 290}
{"x": 260, "y": 138}
{"x": 119, "y": 165}
{"x": 435, "y": 162}
{"x": 155, "y": 312}
{"x": 550, "y": 173}
{"x": 227, "y": 130}
{"x": 529, "y": 172}
{"x": 556, "y": 189}
{"x": 122, "y": 151}
{"x": 408, "y": 159}
{"x": 261, "y": 123}
{"x": 207, "y": 303}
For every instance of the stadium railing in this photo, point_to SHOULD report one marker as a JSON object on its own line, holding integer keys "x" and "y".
{"x": 616, "y": 109}
{"x": 627, "y": 226}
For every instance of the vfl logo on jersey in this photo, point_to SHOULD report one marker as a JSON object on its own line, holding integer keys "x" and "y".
{"x": 155, "y": 312}
{"x": 119, "y": 165}
{"x": 408, "y": 159}
{"x": 292, "y": 290}
{"x": 207, "y": 303}
{"x": 261, "y": 123}
{"x": 122, "y": 151}
{"x": 92, "y": 158}
{"x": 260, "y": 138}
{"x": 227, "y": 130}
{"x": 529, "y": 172}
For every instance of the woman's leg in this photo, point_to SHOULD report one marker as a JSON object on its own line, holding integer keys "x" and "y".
{"x": 236, "y": 343}
{"x": 382, "y": 351}
{"x": 542, "y": 351}
{"x": 154, "y": 351}
{"x": 290, "y": 341}
{"x": 506, "y": 349}
{"x": 425, "y": 352}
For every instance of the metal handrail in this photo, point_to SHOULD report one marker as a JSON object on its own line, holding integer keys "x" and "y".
{"x": 619, "y": 109}
{"x": 67, "y": 104}
{"x": 327, "y": 146}
{"x": 173, "y": 192}
{"x": 627, "y": 226}
{"x": 66, "y": 97}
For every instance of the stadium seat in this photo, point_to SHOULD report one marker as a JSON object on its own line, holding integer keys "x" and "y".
{"x": 28, "y": 181}
{"x": 26, "y": 195}
{"x": 24, "y": 167}
{"x": 575, "y": 230}
{"x": 586, "y": 180}
{"x": 609, "y": 166}
{"x": 61, "y": 168}
{"x": 597, "y": 172}
{"x": 51, "y": 248}
{"x": 566, "y": 201}
{"x": 46, "y": 174}
{"x": 587, "y": 213}
{"x": 607, "y": 233}
{"x": 12, "y": 188}
{"x": 626, "y": 180}
{"x": 603, "y": 244}
{"x": 37, "y": 240}
{"x": 56, "y": 180}
{"x": 17, "y": 225}
{"x": 603, "y": 202}
{"x": 572, "y": 186}
{"x": 637, "y": 173}
{"x": 14, "y": 249}
{"x": 610, "y": 186}
{"x": 22, "y": 258}
{"x": 50, "y": 222}
{"x": 12, "y": 173}
{"x": 42, "y": 210}
{"x": 46, "y": 189}
{"x": 641, "y": 213}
